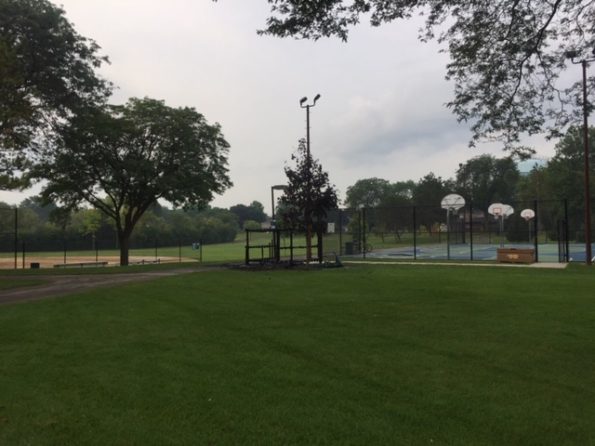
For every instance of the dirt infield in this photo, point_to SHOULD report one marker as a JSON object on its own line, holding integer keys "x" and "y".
{"x": 79, "y": 261}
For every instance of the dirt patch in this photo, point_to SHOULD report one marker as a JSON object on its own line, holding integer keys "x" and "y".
{"x": 56, "y": 286}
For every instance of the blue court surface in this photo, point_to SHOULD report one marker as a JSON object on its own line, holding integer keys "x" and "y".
{"x": 546, "y": 252}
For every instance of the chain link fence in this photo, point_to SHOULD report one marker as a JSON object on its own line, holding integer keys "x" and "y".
{"x": 556, "y": 233}
{"x": 553, "y": 234}
{"x": 8, "y": 235}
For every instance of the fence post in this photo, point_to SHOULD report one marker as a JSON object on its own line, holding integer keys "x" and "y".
{"x": 320, "y": 247}
{"x": 414, "y": 233}
{"x": 471, "y": 228}
{"x": 247, "y": 256}
{"x": 340, "y": 232}
{"x": 566, "y": 235}
{"x": 291, "y": 246}
{"x": 23, "y": 254}
{"x": 536, "y": 222}
{"x": 363, "y": 229}
{"x": 16, "y": 235}
{"x": 179, "y": 251}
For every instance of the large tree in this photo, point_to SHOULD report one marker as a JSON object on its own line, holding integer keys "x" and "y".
{"x": 309, "y": 195}
{"x": 367, "y": 193}
{"x": 564, "y": 175}
{"x": 47, "y": 74}
{"x": 122, "y": 159}
{"x": 485, "y": 179}
{"x": 506, "y": 56}
{"x": 427, "y": 195}
{"x": 254, "y": 212}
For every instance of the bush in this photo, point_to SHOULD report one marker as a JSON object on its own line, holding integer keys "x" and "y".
{"x": 251, "y": 224}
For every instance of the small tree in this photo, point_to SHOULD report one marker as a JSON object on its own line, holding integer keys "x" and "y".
{"x": 308, "y": 196}
{"x": 123, "y": 159}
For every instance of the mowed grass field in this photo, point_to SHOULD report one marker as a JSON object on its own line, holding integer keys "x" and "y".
{"x": 365, "y": 355}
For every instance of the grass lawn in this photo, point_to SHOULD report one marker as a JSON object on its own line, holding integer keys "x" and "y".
{"x": 10, "y": 283}
{"x": 361, "y": 355}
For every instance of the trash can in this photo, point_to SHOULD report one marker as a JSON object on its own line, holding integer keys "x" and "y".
{"x": 348, "y": 248}
{"x": 34, "y": 265}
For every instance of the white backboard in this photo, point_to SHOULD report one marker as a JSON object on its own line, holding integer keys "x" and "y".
{"x": 452, "y": 202}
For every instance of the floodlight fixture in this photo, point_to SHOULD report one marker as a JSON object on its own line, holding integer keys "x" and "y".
{"x": 571, "y": 54}
{"x": 317, "y": 97}
{"x": 304, "y": 99}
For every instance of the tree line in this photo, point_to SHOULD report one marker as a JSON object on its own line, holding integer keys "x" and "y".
{"x": 47, "y": 227}
{"x": 485, "y": 179}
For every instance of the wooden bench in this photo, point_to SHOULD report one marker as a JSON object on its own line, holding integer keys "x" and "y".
{"x": 515, "y": 255}
{"x": 79, "y": 264}
{"x": 145, "y": 262}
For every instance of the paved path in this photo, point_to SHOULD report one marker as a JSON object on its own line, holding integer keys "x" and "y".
{"x": 63, "y": 285}
{"x": 489, "y": 265}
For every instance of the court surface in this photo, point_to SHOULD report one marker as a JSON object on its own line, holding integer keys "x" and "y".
{"x": 481, "y": 252}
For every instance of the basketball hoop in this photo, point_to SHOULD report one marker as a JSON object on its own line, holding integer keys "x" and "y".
{"x": 451, "y": 203}
{"x": 528, "y": 214}
{"x": 500, "y": 210}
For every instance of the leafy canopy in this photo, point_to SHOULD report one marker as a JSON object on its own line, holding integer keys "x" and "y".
{"x": 506, "y": 56}
{"x": 122, "y": 159}
{"x": 309, "y": 194}
{"x": 485, "y": 179}
{"x": 47, "y": 74}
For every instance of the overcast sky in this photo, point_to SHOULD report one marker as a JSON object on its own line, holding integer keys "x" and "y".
{"x": 381, "y": 112}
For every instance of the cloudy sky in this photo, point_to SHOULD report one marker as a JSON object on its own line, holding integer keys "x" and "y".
{"x": 381, "y": 112}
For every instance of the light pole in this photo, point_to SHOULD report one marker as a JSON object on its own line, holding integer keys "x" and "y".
{"x": 309, "y": 166}
{"x": 307, "y": 107}
{"x": 573, "y": 55}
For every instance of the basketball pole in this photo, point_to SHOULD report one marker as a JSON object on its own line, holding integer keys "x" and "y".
{"x": 448, "y": 234}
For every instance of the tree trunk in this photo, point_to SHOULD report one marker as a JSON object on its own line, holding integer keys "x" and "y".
{"x": 124, "y": 240}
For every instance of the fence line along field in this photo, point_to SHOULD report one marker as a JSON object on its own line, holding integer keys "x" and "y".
{"x": 50, "y": 261}
{"x": 220, "y": 252}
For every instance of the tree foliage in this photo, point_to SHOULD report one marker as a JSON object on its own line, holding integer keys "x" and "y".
{"x": 254, "y": 212}
{"x": 309, "y": 195}
{"x": 122, "y": 159}
{"x": 506, "y": 56}
{"x": 367, "y": 192}
{"x": 47, "y": 74}
{"x": 485, "y": 179}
